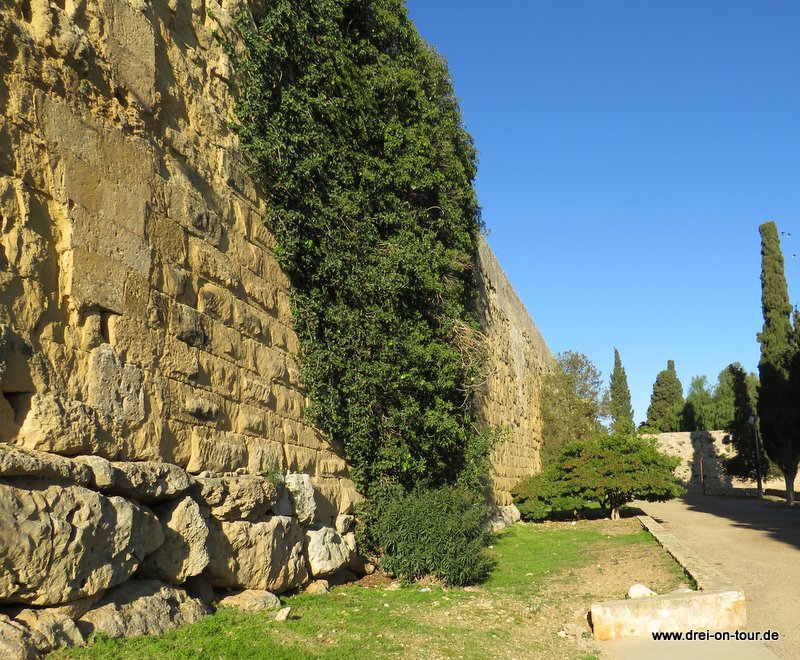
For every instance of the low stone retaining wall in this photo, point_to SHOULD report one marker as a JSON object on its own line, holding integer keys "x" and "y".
{"x": 717, "y": 605}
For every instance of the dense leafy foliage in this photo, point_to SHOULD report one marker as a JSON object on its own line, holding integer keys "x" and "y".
{"x": 354, "y": 131}
{"x": 699, "y": 412}
{"x": 666, "y": 402}
{"x": 742, "y": 427}
{"x": 610, "y": 469}
{"x": 779, "y": 366}
{"x": 706, "y": 409}
{"x": 572, "y": 403}
{"x": 620, "y": 408}
{"x": 443, "y": 532}
{"x": 540, "y": 497}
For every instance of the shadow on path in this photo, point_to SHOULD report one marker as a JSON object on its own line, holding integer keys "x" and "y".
{"x": 776, "y": 519}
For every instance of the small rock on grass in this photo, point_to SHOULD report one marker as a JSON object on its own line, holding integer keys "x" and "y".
{"x": 251, "y": 600}
{"x": 640, "y": 591}
{"x": 283, "y": 614}
{"x": 318, "y": 587}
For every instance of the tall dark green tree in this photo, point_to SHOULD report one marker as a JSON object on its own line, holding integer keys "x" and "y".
{"x": 742, "y": 427}
{"x": 620, "y": 407}
{"x": 778, "y": 395}
{"x": 724, "y": 405}
{"x": 666, "y": 402}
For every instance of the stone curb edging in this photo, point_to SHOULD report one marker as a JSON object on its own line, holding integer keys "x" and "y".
{"x": 717, "y": 604}
{"x": 705, "y": 576}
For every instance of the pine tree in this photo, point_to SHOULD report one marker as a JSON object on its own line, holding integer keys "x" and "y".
{"x": 620, "y": 403}
{"x": 777, "y": 396}
{"x": 666, "y": 402}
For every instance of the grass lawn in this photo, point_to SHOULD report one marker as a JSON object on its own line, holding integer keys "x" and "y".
{"x": 533, "y": 606}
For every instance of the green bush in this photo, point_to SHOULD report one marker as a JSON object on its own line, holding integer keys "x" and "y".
{"x": 442, "y": 532}
{"x": 539, "y": 497}
{"x": 609, "y": 469}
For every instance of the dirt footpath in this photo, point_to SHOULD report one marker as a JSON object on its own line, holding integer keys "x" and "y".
{"x": 754, "y": 543}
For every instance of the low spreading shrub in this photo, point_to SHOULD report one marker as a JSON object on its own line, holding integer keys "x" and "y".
{"x": 609, "y": 469}
{"x": 539, "y": 497}
{"x": 442, "y": 532}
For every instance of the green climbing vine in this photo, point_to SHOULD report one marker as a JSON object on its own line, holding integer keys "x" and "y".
{"x": 352, "y": 126}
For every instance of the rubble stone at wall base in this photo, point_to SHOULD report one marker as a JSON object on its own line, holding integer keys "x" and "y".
{"x": 142, "y": 607}
{"x": 265, "y": 555}
{"x": 61, "y": 543}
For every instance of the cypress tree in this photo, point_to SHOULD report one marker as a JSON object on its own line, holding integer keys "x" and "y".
{"x": 666, "y": 402}
{"x": 621, "y": 409}
{"x": 777, "y": 395}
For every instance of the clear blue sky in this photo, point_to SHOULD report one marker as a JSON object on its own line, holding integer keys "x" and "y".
{"x": 629, "y": 150}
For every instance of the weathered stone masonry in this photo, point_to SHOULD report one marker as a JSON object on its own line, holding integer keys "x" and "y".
{"x": 518, "y": 357}
{"x": 149, "y": 399}
{"x": 138, "y": 275}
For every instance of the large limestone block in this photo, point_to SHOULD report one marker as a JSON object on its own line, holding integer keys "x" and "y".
{"x": 17, "y": 462}
{"x": 238, "y": 497}
{"x": 334, "y": 496}
{"x": 115, "y": 389}
{"x": 74, "y": 609}
{"x": 62, "y": 543}
{"x": 103, "y": 171}
{"x": 64, "y": 426}
{"x": 266, "y": 555}
{"x": 148, "y": 481}
{"x": 142, "y": 607}
{"x": 100, "y": 470}
{"x": 50, "y": 629}
{"x": 130, "y": 49}
{"x": 183, "y": 553}
{"x": 265, "y": 456}
{"x": 326, "y": 550}
{"x": 298, "y": 498}
{"x": 144, "y": 481}
{"x": 216, "y": 451}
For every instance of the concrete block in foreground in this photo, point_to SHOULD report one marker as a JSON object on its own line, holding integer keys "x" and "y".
{"x": 680, "y": 612}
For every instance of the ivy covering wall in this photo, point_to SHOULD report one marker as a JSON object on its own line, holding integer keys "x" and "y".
{"x": 355, "y": 133}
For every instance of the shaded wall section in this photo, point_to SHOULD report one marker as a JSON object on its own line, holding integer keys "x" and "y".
{"x": 518, "y": 357}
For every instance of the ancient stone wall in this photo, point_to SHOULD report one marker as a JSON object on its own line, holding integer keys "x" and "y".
{"x": 153, "y": 442}
{"x": 518, "y": 357}
{"x": 145, "y": 316}
{"x": 702, "y": 467}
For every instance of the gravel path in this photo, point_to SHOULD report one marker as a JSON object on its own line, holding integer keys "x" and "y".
{"x": 756, "y": 544}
